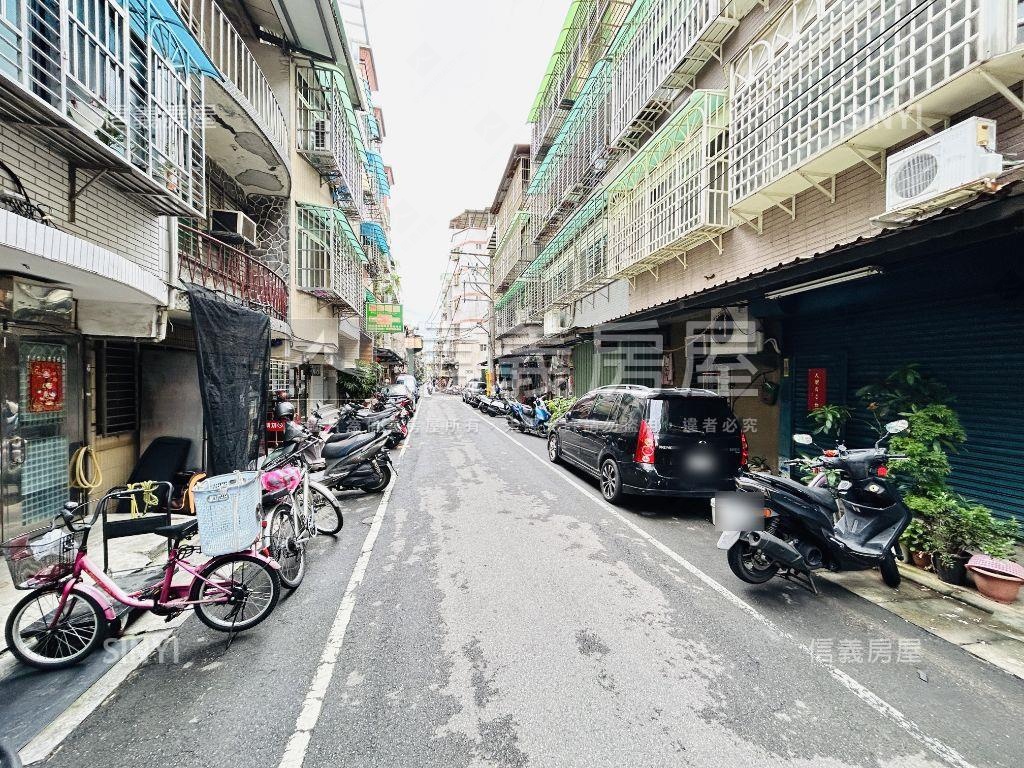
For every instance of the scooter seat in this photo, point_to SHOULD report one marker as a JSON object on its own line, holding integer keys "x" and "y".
{"x": 527, "y": 411}
{"x": 820, "y": 496}
{"x": 350, "y": 444}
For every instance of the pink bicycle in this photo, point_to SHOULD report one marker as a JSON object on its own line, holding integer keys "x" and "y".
{"x": 65, "y": 617}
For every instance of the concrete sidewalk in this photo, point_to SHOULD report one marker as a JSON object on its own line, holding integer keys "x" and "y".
{"x": 987, "y": 629}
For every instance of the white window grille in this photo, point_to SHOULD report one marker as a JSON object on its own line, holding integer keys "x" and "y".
{"x": 327, "y": 134}
{"x": 574, "y": 262}
{"x": 329, "y": 258}
{"x": 828, "y": 72}
{"x": 673, "y": 194}
{"x": 589, "y": 29}
{"x": 126, "y": 85}
{"x": 578, "y": 159}
{"x": 663, "y": 47}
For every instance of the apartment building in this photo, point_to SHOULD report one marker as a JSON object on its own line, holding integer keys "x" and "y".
{"x": 780, "y": 177}
{"x": 458, "y": 347}
{"x": 150, "y": 144}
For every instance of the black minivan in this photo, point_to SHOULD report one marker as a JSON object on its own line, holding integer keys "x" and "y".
{"x": 658, "y": 442}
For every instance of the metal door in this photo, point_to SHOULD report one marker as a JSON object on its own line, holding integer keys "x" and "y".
{"x": 40, "y": 403}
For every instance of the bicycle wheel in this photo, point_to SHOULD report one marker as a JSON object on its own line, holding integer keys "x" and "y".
{"x": 325, "y": 509}
{"x": 282, "y": 540}
{"x": 40, "y": 638}
{"x": 253, "y": 589}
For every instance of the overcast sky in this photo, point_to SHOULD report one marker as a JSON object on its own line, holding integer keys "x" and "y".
{"x": 457, "y": 78}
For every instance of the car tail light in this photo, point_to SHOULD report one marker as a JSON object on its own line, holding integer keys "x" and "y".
{"x": 645, "y": 445}
{"x": 744, "y": 450}
{"x": 882, "y": 471}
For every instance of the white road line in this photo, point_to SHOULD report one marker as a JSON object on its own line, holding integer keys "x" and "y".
{"x": 312, "y": 705}
{"x": 943, "y": 751}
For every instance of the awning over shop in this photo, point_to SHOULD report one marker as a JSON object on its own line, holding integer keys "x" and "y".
{"x": 158, "y": 20}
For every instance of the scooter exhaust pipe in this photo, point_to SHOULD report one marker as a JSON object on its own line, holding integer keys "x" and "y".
{"x": 778, "y": 550}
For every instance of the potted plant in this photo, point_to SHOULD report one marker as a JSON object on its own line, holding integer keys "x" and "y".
{"x": 965, "y": 528}
{"x": 915, "y": 539}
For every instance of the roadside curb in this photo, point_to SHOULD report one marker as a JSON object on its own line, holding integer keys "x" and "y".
{"x": 1010, "y": 615}
{"x": 987, "y": 630}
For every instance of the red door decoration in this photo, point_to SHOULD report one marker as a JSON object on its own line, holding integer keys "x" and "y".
{"x": 45, "y": 386}
{"x": 817, "y": 388}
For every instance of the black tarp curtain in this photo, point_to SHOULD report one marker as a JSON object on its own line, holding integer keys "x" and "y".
{"x": 233, "y": 356}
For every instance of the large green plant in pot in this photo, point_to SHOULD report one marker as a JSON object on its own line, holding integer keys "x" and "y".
{"x": 946, "y": 524}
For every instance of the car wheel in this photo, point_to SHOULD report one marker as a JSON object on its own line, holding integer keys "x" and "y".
{"x": 611, "y": 481}
{"x": 554, "y": 447}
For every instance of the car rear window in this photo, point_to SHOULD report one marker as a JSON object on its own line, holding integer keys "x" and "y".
{"x": 698, "y": 415}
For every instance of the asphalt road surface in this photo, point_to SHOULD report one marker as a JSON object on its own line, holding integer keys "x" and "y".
{"x": 494, "y": 611}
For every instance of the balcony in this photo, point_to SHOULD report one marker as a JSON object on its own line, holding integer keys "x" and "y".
{"x": 673, "y": 195}
{"x": 574, "y": 263}
{"x": 661, "y": 50}
{"x": 327, "y": 134}
{"x": 577, "y": 161}
{"x": 375, "y": 247}
{"x": 833, "y": 85}
{"x": 116, "y": 93}
{"x": 329, "y": 259}
{"x": 589, "y": 29}
{"x": 247, "y": 134}
{"x": 206, "y": 261}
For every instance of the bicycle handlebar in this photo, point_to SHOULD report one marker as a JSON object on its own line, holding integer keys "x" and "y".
{"x": 67, "y": 513}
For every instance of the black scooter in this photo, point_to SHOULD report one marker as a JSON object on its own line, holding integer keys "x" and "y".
{"x": 790, "y": 529}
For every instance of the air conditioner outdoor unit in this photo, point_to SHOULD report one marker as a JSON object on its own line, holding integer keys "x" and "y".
{"x": 932, "y": 172}
{"x": 232, "y": 227}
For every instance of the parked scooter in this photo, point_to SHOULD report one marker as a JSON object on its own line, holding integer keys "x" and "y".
{"x": 532, "y": 418}
{"x": 493, "y": 405}
{"x": 789, "y": 529}
{"x": 391, "y": 420}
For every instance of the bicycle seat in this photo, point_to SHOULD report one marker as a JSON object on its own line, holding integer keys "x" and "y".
{"x": 179, "y": 531}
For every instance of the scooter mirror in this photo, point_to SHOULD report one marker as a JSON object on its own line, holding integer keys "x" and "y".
{"x": 803, "y": 439}
{"x": 895, "y": 427}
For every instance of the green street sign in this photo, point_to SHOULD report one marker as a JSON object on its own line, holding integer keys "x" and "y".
{"x": 384, "y": 318}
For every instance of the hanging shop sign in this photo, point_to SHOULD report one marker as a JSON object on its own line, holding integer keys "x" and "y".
{"x": 817, "y": 388}
{"x": 384, "y": 318}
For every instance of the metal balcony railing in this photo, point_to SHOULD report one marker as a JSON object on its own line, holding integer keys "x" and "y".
{"x": 589, "y": 28}
{"x": 830, "y": 85}
{"x": 329, "y": 259}
{"x": 112, "y": 90}
{"x": 662, "y": 49}
{"x": 673, "y": 196}
{"x": 206, "y": 261}
{"x": 232, "y": 57}
{"x": 327, "y": 135}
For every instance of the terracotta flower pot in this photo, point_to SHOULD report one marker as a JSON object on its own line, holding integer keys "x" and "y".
{"x": 995, "y": 586}
{"x": 996, "y": 579}
{"x": 922, "y": 560}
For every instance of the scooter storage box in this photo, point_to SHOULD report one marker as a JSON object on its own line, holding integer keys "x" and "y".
{"x": 228, "y": 511}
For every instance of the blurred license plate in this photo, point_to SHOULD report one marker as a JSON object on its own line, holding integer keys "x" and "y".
{"x": 737, "y": 511}
{"x": 700, "y": 463}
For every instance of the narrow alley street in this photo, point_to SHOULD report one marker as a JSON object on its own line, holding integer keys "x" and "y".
{"x": 508, "y": 616}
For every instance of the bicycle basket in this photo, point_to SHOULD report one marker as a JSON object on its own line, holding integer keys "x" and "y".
{"x": 228, "y": 511}
{"x": 41, "y": 557}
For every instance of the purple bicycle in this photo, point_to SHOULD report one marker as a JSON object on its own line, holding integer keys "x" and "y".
{"x": 66, "y": 617}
